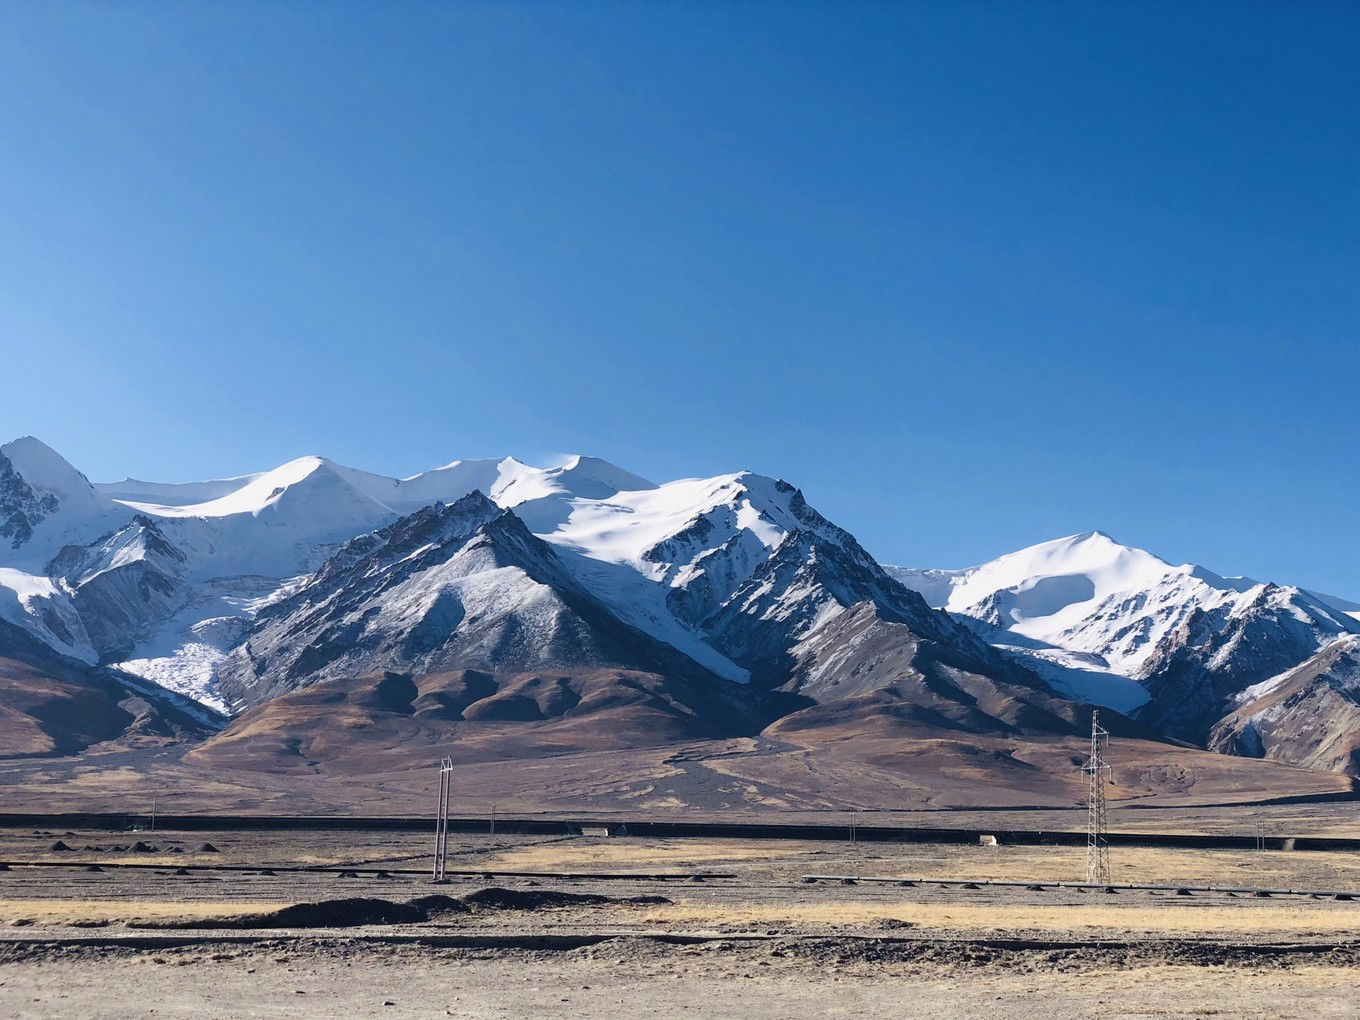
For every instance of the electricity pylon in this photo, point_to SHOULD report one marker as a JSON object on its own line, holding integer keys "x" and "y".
{"x": 1097, "y": 838}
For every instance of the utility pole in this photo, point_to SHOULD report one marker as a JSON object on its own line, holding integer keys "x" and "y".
{"x": 441, "y": 823}
{"x": 153, "y": 813}
{"x": 1097, "y": 835}
{"x": 493, "y": 819}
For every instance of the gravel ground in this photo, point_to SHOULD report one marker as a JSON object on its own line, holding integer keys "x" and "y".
{"x": 134, "y": 942}
{"x": 780, "y": 979}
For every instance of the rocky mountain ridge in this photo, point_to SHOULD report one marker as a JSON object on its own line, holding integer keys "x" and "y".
{"x": 242, "y": 590}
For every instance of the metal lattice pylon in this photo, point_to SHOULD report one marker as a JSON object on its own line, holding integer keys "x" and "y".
{"x": 1097, "y": 838}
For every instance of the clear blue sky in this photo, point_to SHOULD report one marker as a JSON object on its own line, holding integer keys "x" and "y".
{"x": 973, "y": 276}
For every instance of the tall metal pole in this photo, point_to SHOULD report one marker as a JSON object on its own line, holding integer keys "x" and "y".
{"x": 441, "y": 824}
{"x": 1097, "y": 836}
{"x": 448, "y": 794}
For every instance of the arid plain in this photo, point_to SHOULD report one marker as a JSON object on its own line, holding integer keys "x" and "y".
{"x": 306, "y": 923}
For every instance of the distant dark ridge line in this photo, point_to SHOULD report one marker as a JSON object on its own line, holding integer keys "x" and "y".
{"x": 635, "y": 828}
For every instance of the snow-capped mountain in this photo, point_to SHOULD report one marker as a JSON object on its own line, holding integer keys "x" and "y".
{"x": 736, "y": 571}
{"x": 44, "y": 502}
{"x": 1122, "y": 627}
{"x": 122, "y": 584}
{"x": 235, "y": 590}
{"x": 739, "y": 565}
{"x": 165, "y": 578}
{"x": 1084, "y": 593}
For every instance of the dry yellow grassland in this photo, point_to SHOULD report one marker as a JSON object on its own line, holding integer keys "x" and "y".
{"x": 65, "y": 912}
{"x": 1289, "y": 919}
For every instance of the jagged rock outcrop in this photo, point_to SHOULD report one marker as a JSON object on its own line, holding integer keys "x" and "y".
{"x": 122, "y": 584}
{"x": 21, "y": 508}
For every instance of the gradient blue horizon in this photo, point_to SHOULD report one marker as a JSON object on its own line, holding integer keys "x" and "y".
{"x": 973, "y": 276}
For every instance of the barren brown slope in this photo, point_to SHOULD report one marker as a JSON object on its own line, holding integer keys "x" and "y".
{"x": 41, "y": 713}
{"x": 611, "y": 740}
{"x": 751, "y": 778}
{"x": 51, "y": 705}
{"x": 354, "y": 724}
{"x": 862, "y": 667}
{"x": 879, "y": 764}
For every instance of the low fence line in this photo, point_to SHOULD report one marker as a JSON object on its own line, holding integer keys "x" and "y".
{"x": 558, "y": 826}
{"x": 1037, "y": 884}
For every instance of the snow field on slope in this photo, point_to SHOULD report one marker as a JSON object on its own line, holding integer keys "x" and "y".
{"x": 34, "y": 603}
{"x": 183, "y": 653}
{"x": 606, "y": 542}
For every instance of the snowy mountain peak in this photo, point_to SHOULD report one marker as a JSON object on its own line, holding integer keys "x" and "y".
{"x": 41, "y": 492}
{"x": 374, "y": 497}
{"x": 47, "y": 471}
{"x": 310, "y": 485}
{"x": 1047, "y": 578}
{"x": 134, "y": 491}
{"x": 592, "y": 470}
{"x": 1120, "y": 626}
{"x": 582, "y": 477}
{"x": 737, "y": 573}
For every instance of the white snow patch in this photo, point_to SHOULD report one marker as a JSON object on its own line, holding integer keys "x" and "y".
{"x": 37, "y": 605}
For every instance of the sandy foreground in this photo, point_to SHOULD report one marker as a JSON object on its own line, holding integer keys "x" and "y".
{"x": 632, "y": 930}
{"x": 321, "y": 978}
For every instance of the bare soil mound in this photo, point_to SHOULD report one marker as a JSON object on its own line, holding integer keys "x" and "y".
{"x": 496, "y": 898}
{"x": 353, "y": 911}
{"x": 340, "y": 913}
